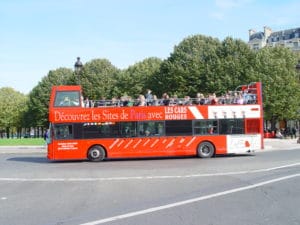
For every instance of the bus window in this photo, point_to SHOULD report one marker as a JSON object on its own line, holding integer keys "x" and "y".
{"x": 231, "y": 126}
{"x": 151, "y": 128}
{"x": 179, "y": 127}
{"x": 63, "y": 131}
{"x": 204, "y": 127}
{"x": 128, "y": 129}
{"x": 67, "y": 98}
{"x": 100, "y": 130}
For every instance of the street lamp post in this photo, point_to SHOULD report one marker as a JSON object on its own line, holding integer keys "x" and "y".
{"x": 78, "y": 66}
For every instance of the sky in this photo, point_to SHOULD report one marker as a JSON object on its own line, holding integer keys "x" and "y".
{"x": 38, "y": 36}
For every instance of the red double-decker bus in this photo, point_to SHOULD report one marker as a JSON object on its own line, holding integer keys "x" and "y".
{"x": 109, "y": 130}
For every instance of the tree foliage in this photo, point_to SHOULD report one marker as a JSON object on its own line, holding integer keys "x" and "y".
{"x": 235, "y": 67}
{"x": 12, "y": 106}
{"x": 98, "y": 79}
{"x": 39, "y": 97}
{"x": 275, "y": 68}
{"x": 190, "y": 68}
{"x": 204, "y": 64}
{"x": 137, "y": 78}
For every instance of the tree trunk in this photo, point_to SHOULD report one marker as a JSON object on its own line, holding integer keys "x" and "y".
{"x": 273, "y": 124}
{"x": 7, "y": 132}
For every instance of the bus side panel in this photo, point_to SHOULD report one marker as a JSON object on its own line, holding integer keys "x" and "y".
{"x": 145, "y": 147}
{"x": 135, "y": 147}
{"x": 163, "y": 146}
{"x": 50, "y": 151}
{"x": 66, "y": 150}
{"x": 243, "y": 143}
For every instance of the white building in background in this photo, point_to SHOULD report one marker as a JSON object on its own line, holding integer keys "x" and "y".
{"x": 288, "y": 38}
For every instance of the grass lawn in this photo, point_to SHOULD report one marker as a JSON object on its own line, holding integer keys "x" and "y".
{"x": 21, "y": 141}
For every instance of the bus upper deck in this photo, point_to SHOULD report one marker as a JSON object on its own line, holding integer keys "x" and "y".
{"x": 246, "y": 94}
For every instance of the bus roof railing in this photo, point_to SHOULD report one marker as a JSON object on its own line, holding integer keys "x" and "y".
{"x": 246, "y": 99}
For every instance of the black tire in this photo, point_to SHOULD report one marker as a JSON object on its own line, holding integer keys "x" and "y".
{"x": 96, "y": 153}
{"x": 205, "y": 150}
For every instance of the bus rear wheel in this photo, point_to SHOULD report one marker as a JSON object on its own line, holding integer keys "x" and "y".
{"x": 205, "y": 150}
{"x": 96, "y": 153}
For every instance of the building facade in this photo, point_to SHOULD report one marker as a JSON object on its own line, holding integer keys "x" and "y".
{"x": 287, "y": 38}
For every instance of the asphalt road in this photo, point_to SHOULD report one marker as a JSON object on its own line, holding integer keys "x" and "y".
{"x": 247, "y": 190}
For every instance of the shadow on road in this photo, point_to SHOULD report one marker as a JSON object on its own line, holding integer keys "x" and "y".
{"x": 41, "y": 160}
{"x": 32, "y": 159}
{"x": 44, "y": 160}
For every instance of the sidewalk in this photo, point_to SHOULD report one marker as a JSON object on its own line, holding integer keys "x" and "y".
{"x": 279, "y": 144}
{"x": 23, "y": 149}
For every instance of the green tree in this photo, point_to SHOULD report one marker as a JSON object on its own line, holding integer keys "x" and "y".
{"x": 137, "y": 78}
{"x": 191, "y": 67}
{"x": 39, "y": 97}
{"x": 276, "y": 70}
{"x": 98, "y": 79}
{"x": 204, "y": 64}
{"x": 12, "y": 106}
{"x": 236, "y": 64}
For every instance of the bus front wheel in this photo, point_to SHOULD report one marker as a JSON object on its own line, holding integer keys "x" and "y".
{"x": 205, "y": 150}
{"x": 96, "y": 153}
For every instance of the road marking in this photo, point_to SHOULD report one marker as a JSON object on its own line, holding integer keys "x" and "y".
{"x": 86, "y": 179}
{"x": 3, "y": 198}
{"x": 189, "y": 201}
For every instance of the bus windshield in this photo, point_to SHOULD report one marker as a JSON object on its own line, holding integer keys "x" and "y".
{"x": 67, "y": 98}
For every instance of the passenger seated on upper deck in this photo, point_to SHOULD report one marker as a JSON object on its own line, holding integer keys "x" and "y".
{"x": 221, "y": 100}
{"x": 141, "y": 101}
{"x": 165, "y": 99}
{"x": 235, "y": 98}
{"x": 200, "y": 100}
{"x": 187, "y": 100}
{"x": 240, "y": 99}
{"x": 87, "y": 103}
{"x": 114, "y": 102}
{"x": 175, "y": 101}
{"x": 149, "y": 97}
{"x": 213, "y": 99}
{"x": 124, "y": 100}
{"x": 249, "y": 98}
{"x": 155, "y": 101}
{"x": 130, "y": 101}
{"x": 227, "y": 99}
